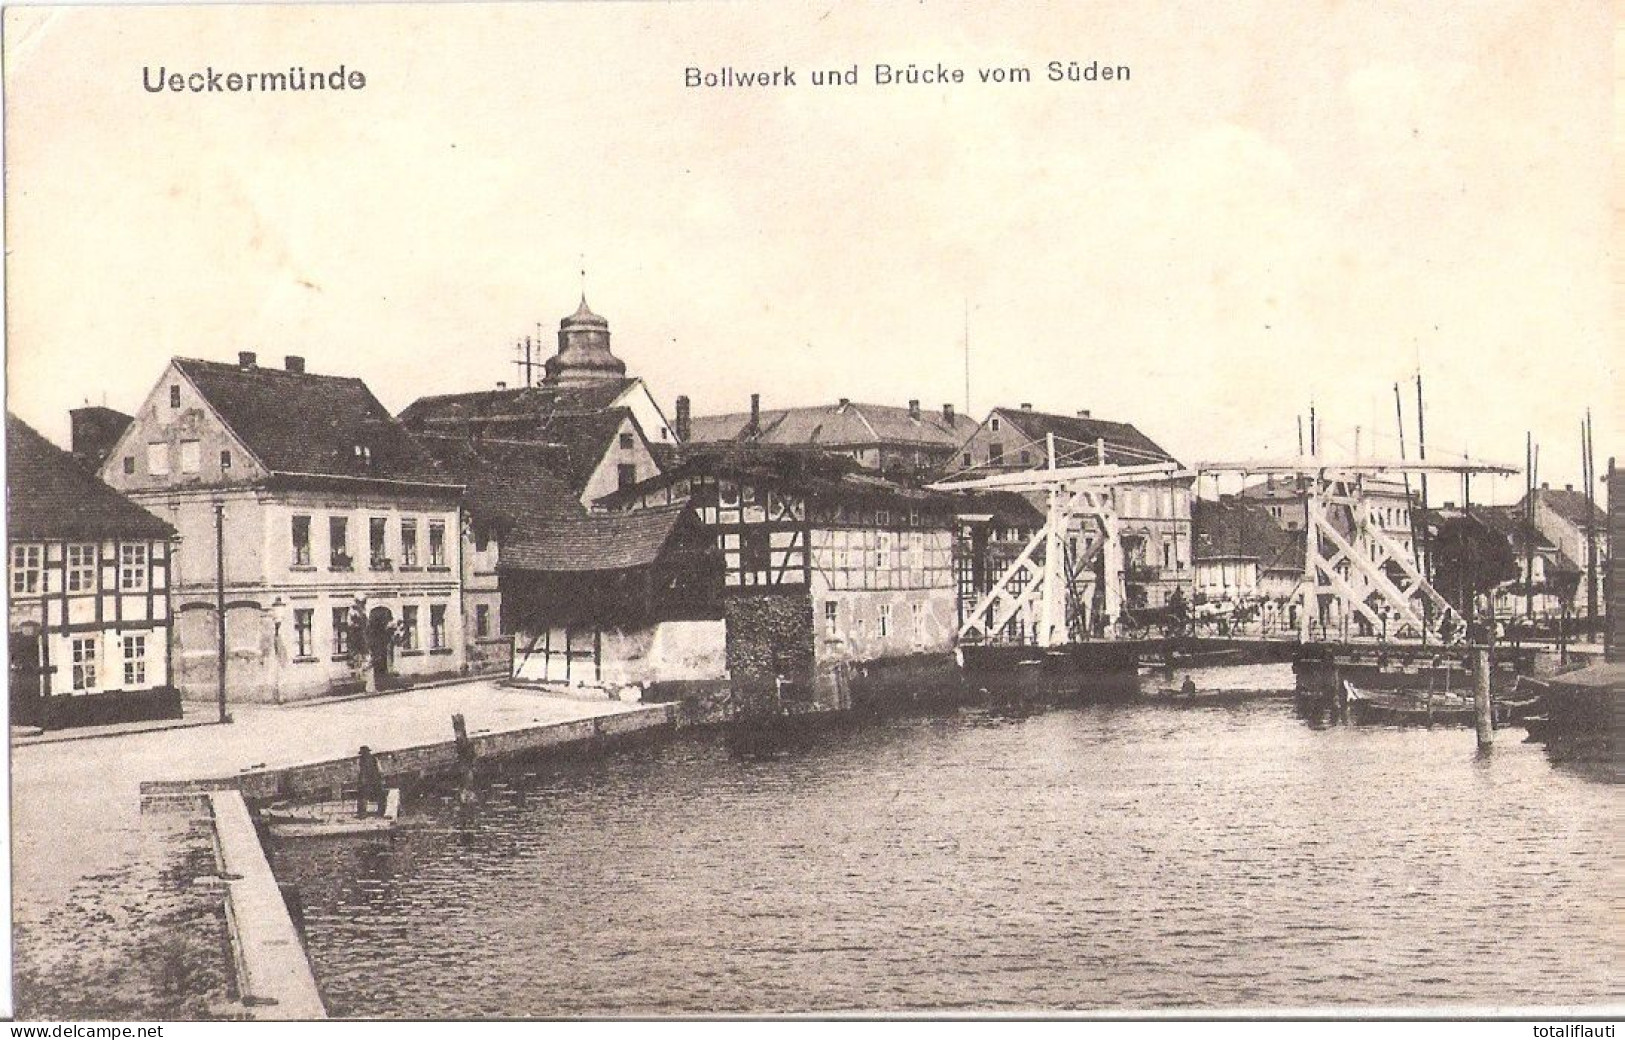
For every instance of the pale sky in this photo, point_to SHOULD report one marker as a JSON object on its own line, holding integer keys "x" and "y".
{"x": 1286, "y": 201}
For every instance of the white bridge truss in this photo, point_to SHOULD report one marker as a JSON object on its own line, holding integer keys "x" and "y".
{"x": 1365, "y": 574}
{"x": 1348, "y": 576}
{"x": 1036, "y": 587}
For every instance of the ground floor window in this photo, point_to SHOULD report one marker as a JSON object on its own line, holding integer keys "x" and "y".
{"x": 437, "y": 627}
{"x": 135, "y": 660}
{"x": 304, "y": 624}
{"x": 341, "y": 630}
{"x": 885, "y": 620}
{"x": 409, "y": 628}
{"x": 482, "y": 620}
{"x": 84, "y": 663}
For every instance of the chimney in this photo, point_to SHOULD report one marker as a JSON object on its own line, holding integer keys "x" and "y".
{"x": 1083, "y": 413}
{"x": 1449, "y": 505}
{"x": 844, "y": 402}
{"x": 1026, "y": 406}
{"x": 948, "y": 415}
{"x": 685, "y": 423}
{"x": 755, "y": 411}
{"x": 294, "y": 363}
{"x": 246, "y": 359}
{"x": 502, "y": 384}
{"x": 1545, "y": 486}
{"x": 914, "y": 410}
{"x": 1568, "y": 487}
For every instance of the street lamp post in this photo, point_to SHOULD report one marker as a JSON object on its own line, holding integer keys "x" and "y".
{"x": 220, "y": 604}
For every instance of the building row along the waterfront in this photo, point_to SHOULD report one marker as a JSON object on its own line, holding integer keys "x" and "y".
{"x": 569, "y": 532}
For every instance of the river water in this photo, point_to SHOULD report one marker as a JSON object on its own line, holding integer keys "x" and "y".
{"x": 1079, "y": 858}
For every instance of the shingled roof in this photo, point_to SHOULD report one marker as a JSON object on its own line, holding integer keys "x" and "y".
{"x": 1076, "y": 436}
{"x": 838, "y": 425}
{"x": 599, "y": 542}
{"x": 309, "y": 425}
{"x": 505, "y": 481}
{"x": 49, "y": 495}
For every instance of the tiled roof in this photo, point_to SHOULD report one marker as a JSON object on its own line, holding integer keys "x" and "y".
{"x": 1007, "y": 508}
{"x": 49, "y": 495}
{"x": 1507, "y": 521}
{"x": 1076, "y": 435}
{"x": 1571, "y": 506}
{"x": 300, "y": 423}
{"x": 813, "y": 473}
{"x": 506, "y": 481}
{"x": 839, "y": 425}
{"x": 511, "y": 412}
{"x": 599, "y": 542}
{"x": 1235, "y": 528}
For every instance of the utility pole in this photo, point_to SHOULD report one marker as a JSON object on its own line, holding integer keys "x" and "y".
{"x": 1591, "y": 529}
{"x": 1424, "y": 551}
{"x": 220, "y": 603}
{"x": 1529, "y": 524}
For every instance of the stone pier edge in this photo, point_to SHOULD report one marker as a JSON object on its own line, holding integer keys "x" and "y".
{"x": 275, "y": 979}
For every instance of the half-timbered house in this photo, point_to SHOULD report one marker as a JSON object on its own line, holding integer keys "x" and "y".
{"x": 825, "y": 565}
{"x": 88, "y": 614}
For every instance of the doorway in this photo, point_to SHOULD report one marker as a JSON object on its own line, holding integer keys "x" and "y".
{"x": 381, "y": 641}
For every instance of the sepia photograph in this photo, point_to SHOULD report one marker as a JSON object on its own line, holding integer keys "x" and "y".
{"x": 841, "y": 510}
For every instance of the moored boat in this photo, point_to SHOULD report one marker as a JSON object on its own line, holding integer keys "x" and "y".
{"x": 1403, "y": 708}
{"x": 331, "y": 818}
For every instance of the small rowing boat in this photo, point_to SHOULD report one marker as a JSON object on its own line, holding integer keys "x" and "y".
{"x": 329, "y": 819}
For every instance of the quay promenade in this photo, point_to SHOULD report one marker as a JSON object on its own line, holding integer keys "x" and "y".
{"x": 76, "y": 804}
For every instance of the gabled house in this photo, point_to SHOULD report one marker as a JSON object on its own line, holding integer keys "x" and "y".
{"x": 902, "y": 442}
{"x": 1154, "y": 517}
{"x": 335, "y": 537}
{"x": 88, "y": 610}
{"x": 601, "y": 429}
{"x": 1546, "y": 577}
{"x": 1243, "y": 557}
{"x": 1561, "y": 516}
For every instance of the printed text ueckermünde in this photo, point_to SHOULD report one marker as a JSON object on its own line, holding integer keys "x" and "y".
{"x": 211, "y": 81}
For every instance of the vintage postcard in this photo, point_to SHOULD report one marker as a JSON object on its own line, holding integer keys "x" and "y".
{"x": 631, "y": 510}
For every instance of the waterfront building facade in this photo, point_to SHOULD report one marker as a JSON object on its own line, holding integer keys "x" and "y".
{"x": 824, "y": 567}
{"x": 323, "y": 527}
{"x": 626, "y": 603}
{"x": 900, "y": 442}
{"x": 88, "y": 609}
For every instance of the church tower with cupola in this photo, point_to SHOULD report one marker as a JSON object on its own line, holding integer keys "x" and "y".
{"x": 584, "y": 357}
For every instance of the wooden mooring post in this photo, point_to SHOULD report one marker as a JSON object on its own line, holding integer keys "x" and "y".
{"x": 370, "y": 783}
{"x": 465, "y": 757}
{"x": 1482, "y": 711}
